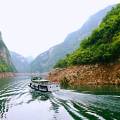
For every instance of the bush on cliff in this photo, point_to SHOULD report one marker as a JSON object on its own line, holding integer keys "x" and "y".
{"x": 102, "y": 46}
{"x": 64, "y": 82}
{"x": 4, "y": 67}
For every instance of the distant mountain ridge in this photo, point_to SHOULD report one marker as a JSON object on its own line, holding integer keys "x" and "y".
{"x": 21, "y": 63}
{"x": 45, "y": 61}
{"x": 6, "y": 64}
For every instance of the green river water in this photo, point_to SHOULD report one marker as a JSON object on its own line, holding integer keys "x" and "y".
{"x": 18, "y": 102}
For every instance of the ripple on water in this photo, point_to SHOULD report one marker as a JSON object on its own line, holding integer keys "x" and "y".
{"x": 17, "y": 102}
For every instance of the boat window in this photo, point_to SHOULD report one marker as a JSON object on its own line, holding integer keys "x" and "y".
{"x": 36, "y": 78}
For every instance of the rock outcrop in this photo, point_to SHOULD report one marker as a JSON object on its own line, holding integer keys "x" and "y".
{"x": 108, "y": 74}
{"x": 7, "y": 74}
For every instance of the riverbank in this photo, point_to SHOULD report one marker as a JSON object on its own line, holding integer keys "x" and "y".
{"x": 7, "y": 74}
{"x": 108, "y": 74}
{"x": 11, "y": 74}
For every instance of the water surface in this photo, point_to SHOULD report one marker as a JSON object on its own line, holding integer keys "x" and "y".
{"x": 18, "y": 102}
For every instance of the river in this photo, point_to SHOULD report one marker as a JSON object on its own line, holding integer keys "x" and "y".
{"x": 18, "y": 102}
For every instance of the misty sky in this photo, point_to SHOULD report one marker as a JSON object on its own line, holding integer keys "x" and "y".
{"x": 30, "y": 27}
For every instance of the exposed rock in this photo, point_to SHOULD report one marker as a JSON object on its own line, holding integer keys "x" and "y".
{"x": 88, "y": 74}
{"x": 6, "y": 74}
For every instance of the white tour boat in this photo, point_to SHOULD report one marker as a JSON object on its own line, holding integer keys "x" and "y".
{"x": 37, "y": 83}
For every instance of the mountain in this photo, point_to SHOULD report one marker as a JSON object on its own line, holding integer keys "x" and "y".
{"x": 21, "y": 63}
{"x": 6, "y": 64}
{"x": 97, "y": 60}
{"x": 46, "y": 61}
{"x": 102, "y": 46}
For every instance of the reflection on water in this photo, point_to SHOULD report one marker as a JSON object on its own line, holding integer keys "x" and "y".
{"x": 18, "y": 102}
{"x": 98, "y": 90}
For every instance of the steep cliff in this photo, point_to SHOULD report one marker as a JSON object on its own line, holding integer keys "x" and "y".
{"x": 102, "y": 46}
{"x": 6, "y": 64}
{"x": 97, "y": 60}
{"x": 46, "y": 61}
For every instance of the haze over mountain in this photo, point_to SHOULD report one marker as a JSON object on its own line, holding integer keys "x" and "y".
{"x": 102, "y": 46}
{"x": 21, "y": 63}
{"x": 6, "y": 64}
{"x": 45, "y": 61}
{"x": 29, "y": 59}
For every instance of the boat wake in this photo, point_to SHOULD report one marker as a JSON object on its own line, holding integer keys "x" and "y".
{"x": 18, "y": 102}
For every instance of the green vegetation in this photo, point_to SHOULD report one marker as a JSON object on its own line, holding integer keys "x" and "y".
{"x": 102, "y": 46}
{"x": 5, "y": 58}
{"x": 64, "y": 82}
{"x": 4, "y": 66}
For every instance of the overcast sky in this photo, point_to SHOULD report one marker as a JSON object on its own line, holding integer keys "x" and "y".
{"x": 30, "y": 27}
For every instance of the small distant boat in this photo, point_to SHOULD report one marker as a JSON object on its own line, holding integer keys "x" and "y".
{"x": 39, "y": 84}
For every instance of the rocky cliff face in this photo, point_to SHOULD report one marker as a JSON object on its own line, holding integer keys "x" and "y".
{"x": 88, "y": 75}
{"x": 6, "y": 64}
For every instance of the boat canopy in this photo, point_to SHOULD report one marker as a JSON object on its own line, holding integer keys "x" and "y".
{"x": 40, "y": 81}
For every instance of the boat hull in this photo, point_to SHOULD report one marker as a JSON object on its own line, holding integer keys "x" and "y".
{"x": 45, "y": 88}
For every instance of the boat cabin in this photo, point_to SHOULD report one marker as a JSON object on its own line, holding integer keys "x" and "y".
{"x": 44, "y": 85}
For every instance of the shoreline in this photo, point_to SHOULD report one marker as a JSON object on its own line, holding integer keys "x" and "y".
{"x": 6, "y": 75}
{"x": 98, "y": 74}
{"x": 12, "y": 74}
